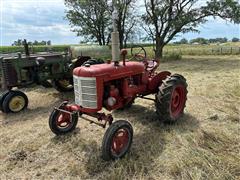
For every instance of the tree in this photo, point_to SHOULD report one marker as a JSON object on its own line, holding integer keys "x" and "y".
{"x": 167, "y": 18}
{"x": 35, "y": 43}
{"x": 235, "y": 39}
{"x": 90, "y": 19}
{"x": 126, "y": 20}
{"x": 93, "y": 19}
{"x": 183, "y": 41}
{"x": 199, "y": 41}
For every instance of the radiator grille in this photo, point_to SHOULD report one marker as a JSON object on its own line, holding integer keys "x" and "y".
{"x": 85, "y": 92}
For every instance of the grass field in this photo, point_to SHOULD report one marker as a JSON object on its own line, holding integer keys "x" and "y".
{"x": 188, "y": 49}
{"x": 204, "y": 144}
{"x": 34, "y": 49}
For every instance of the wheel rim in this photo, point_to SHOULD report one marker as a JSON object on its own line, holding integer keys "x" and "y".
{"x": 17, "y": 103}
{"x": 63, "y": 120}
{"x": 65, "y": 83}
{"x": 178, "y": 100}
{"x": 120, "y": 141}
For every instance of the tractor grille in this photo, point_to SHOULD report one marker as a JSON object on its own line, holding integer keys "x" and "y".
{"x": 85, "y": 92}
{"x": 9, "y": 73}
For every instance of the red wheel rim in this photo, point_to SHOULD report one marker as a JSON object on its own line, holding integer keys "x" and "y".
{"x": 120, "y": 141}
{"x": 178, "y": 100}
{"x": 63, "y": 120}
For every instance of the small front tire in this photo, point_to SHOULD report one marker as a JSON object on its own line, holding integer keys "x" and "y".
{"x": 117, "y": 140}
{"x": 61, "y": 123}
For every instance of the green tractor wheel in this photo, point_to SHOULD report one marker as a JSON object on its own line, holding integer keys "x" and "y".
{"x": 2, "y": 97}
{"x": 14, "y": 102}
{"x": 64, "y": 84}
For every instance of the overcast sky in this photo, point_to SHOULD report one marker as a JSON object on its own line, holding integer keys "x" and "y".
{"x": 44, "y": 20}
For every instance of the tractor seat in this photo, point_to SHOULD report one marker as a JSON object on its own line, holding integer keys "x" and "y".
{"x": 151, "y": 64}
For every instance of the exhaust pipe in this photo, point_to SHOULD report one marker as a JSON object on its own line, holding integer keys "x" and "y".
{"x": 115, "y": 36}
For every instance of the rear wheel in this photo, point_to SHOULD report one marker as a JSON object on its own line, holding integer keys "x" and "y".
{"x": 93, "y": 62}
{"x": 61, "y": 123}
{"x": 117, "y": 140}
{"x": 14, "y": 102}
{"x": 64, "y": 84}
{"x": 46, "y": 84}
{"x": 171, "y": 98}
{"x": 2, "y": 97}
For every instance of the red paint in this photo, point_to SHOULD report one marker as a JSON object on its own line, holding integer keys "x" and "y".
{"x": 119, "y": 141}
{"x": 110, "y": 72}
{"x": 178, "y": 99}
{"x": 155, "y": 81}
{"x": 63, "y": 119}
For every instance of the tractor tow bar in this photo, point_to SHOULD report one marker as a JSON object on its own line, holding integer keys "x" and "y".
{"x": 143, "y": 97}
{"x": 99, "y": 116}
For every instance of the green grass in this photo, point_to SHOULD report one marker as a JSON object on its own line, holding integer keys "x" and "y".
{"x": 14, "y": 49}
{"x": 211, "y": 49}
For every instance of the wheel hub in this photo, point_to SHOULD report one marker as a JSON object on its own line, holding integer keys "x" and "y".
{"x": 17, "y": 103}
{"x": 177, "y": 101}
{"x": 63, "y": 120}
{"x": 64, "y": 83}
{"x": 120, "y": 141}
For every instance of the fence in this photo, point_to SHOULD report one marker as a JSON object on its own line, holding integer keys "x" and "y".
{"x": 203, "y": 50}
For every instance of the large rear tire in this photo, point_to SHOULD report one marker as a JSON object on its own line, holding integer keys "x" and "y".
{"x": 2, "y": 97}
{"x": 117, "y": 140}
{"x": 171, "y": 98}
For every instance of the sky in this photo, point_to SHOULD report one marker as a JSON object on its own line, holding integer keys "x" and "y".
{"x": 44, "y": 20}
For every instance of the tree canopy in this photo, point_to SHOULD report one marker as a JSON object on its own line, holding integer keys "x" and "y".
{"x": 92, "y": 19}
{"x": 167, "y": 18}
{"x": 163, "y": 19}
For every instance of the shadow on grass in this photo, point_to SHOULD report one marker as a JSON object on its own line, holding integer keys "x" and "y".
{"x": 65, "y": 138}
{"x": 30, "y": 114}
{"x": 148, "y": 142}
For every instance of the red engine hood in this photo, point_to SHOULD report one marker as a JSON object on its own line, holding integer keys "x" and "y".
{"x": 109, "y": 70}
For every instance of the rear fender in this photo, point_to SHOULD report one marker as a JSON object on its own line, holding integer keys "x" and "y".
{"x": 156, "y": 80}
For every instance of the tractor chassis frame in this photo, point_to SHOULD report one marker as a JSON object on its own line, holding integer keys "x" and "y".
{"x": 102, "y": 118}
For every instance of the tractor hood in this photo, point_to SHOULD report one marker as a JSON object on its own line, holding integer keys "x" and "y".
{"x": 109, "y": 71}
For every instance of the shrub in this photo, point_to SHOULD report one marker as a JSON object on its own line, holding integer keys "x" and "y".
{"x": 172, "y": 57}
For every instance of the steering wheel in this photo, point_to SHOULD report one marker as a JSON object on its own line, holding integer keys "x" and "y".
{"x": 138, "y": 53}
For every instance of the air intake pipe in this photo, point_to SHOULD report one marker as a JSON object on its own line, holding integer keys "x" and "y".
{"x": 115, "y": 36}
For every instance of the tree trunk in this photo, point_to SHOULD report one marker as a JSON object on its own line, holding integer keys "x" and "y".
{"x": 121, "y": 40}
{"x": 125, "y": 43}
{"x": 159, "y": 48}
{"x": 99, "y": 39}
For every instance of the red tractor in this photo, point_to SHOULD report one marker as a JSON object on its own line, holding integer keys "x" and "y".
{"x": 115, "y": 85}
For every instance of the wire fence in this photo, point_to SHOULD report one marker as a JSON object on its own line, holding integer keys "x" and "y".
{"x": 203, "y": 51}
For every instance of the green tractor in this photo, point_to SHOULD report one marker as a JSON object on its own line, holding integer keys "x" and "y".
{"x": 48, "y": 69}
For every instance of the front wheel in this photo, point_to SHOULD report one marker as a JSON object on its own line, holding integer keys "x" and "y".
{"x": 171, "y": 98}
{"x": 62, "y": 123}
{"x": 117, "y": 140}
